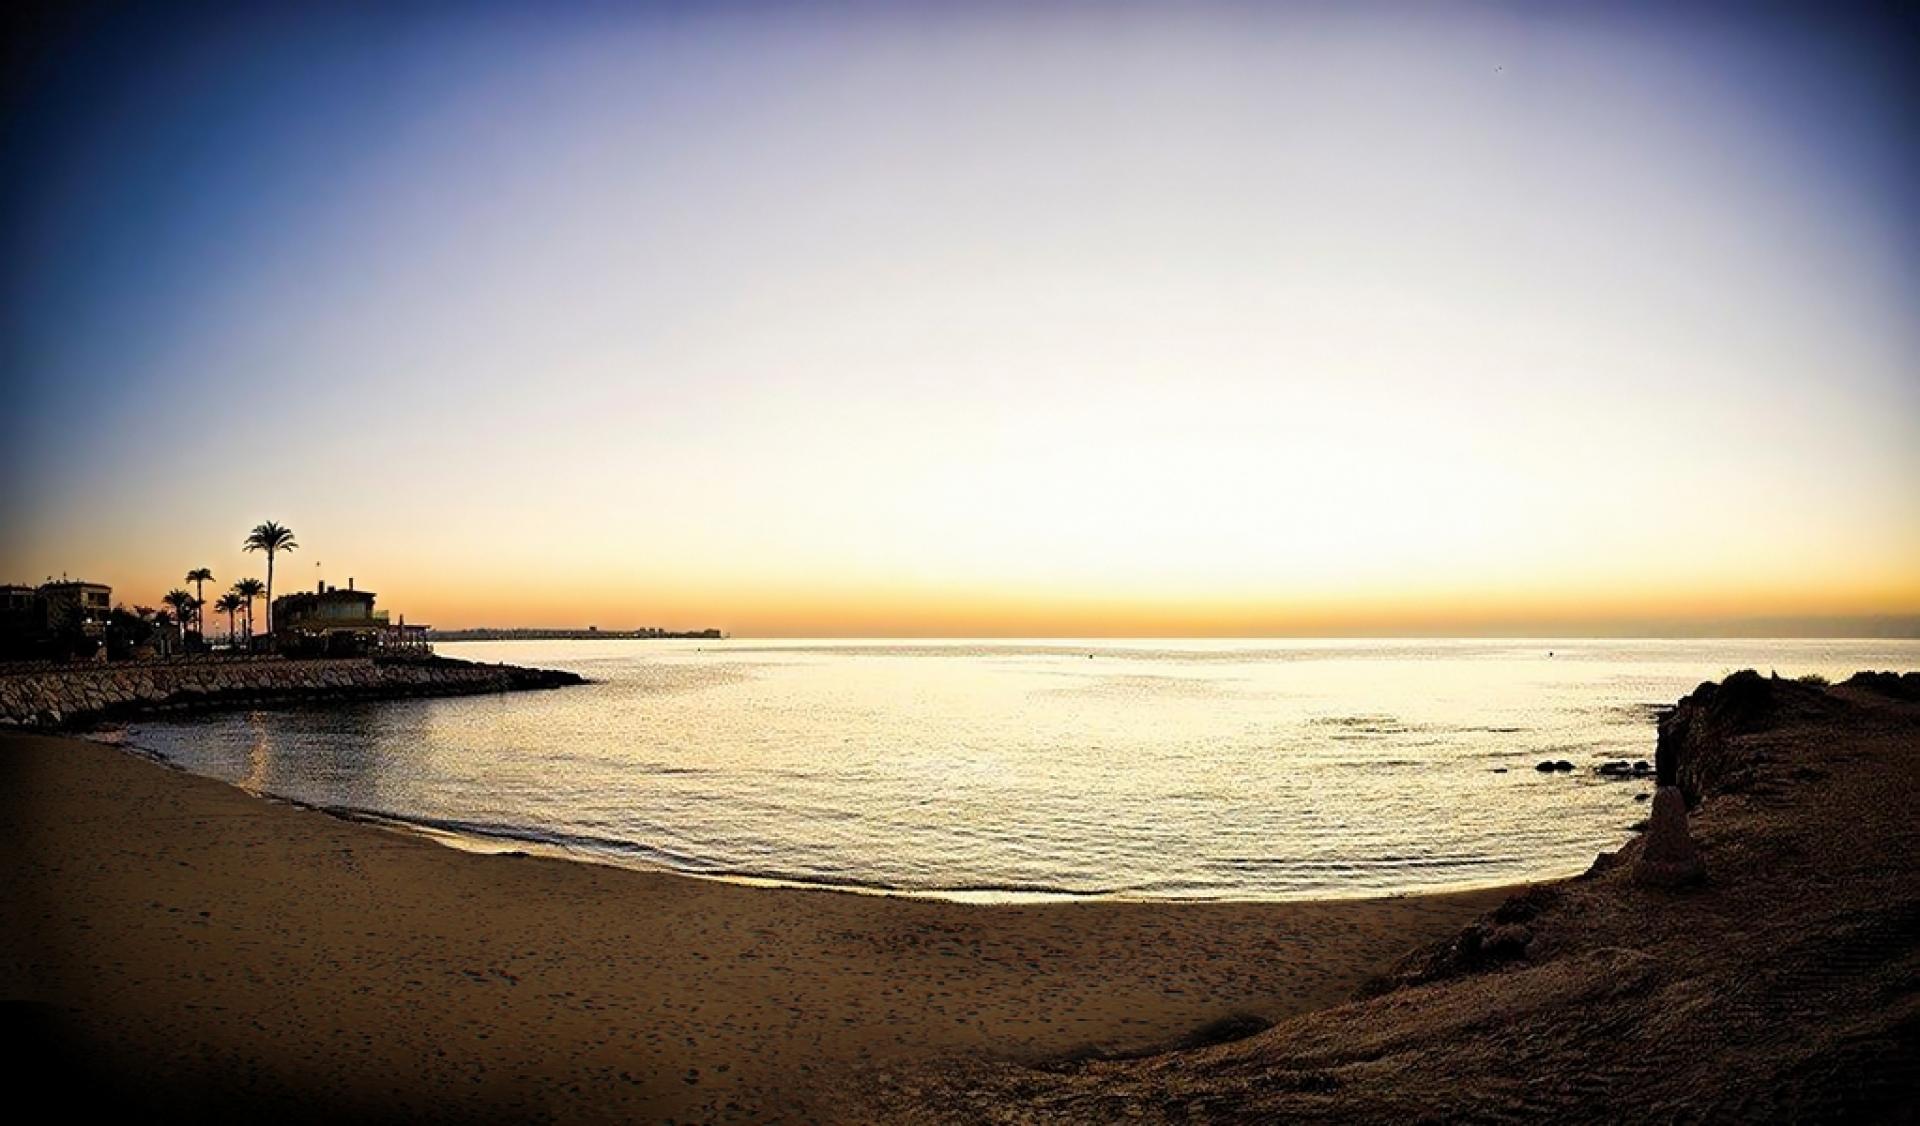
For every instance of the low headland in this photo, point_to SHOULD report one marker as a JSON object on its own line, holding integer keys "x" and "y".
{"x": 178, "y": 947}
{"x": 591, "y": 633}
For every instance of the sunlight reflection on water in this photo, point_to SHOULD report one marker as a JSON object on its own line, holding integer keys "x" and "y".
{"x": 1193, "y": 769}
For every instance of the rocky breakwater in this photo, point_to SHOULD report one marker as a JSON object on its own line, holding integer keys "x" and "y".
{"x": 80, "y": 696}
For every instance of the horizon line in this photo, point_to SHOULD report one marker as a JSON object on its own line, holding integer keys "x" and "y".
{"x": 619, "y": 634}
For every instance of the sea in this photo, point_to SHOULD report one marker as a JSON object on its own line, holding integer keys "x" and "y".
{"x": 1015, "y": 770}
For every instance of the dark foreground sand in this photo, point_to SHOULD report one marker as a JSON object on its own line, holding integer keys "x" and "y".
{"x": 171, "y": 941}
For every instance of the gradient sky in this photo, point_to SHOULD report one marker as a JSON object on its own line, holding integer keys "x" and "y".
{"x": 976, "y": 319}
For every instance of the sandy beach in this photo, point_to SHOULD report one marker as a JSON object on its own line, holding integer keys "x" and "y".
{"x": 179, "y": 942}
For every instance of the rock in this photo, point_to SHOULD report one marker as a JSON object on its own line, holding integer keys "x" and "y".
{"x": 1505, "y": 943}
{"x": 1667, "y": 856}
{"x": 1604, "y": 862}
{"x": 1545, "y": 767}
{"x": 1699, "y": 747}
{"x": 1900, "y": 686}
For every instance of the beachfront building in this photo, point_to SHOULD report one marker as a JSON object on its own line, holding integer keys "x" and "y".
{"x": 55, "y": 619}
{"x": 19, "y": 608}
{"x": 75, "y": 601}
{"x": 340, "y": 622}
{"x": 327, "y": 620}
{"x": 72, "y": 607}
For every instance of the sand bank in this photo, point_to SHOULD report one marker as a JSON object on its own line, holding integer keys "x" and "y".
{"x": 185, "y": 942}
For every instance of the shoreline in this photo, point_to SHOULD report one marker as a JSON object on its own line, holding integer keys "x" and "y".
{"x": 465, "y": 837}
{"x": 485, "y": 844}
{"x": 188, "y": 940}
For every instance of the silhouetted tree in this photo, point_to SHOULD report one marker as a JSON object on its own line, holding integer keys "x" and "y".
{"x": 126, "y": 631}
{"x": 272, "y": 539}
{"x": 231, "y": 603}
{"x": 199, "y": 577}
{"x": 249, "y": 589}
{"x": 183, "y": 605}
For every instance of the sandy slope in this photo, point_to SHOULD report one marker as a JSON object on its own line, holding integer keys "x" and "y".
{"x": 1787, "y": 988}
{"x": 183, "y": 942}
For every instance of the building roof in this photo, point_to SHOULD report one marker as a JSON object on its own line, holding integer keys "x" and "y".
{"x": 331, "y": 593}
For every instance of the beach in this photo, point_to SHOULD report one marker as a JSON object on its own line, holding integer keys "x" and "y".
{"x": 179, "y": 942}
{"x": 1001, "y": 564}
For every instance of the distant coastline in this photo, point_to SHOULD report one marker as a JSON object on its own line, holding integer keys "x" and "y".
{"x": 591, "y": 633}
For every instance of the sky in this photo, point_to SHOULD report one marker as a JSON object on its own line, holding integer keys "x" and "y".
{"x": 986, "y": 319}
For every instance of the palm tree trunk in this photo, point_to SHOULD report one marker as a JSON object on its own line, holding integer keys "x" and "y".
{"x": 269, "y": 594}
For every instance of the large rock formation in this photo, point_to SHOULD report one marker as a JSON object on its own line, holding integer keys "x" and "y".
{"x": 1667, "y": 856}
{"x": 1699, "y": 748}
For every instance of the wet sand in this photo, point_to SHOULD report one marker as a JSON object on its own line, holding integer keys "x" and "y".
{"x": 186, "y": 946}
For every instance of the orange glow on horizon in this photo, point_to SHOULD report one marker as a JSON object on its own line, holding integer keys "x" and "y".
{"x": 899, "y": 609}
{"x": 1259, "y": 320}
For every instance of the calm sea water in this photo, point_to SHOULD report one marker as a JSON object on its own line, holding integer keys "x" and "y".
{"x": 1259, "y": 770}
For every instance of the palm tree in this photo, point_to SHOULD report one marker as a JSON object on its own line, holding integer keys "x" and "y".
{"x": 200, "y": 577}
{"x": 272, "y": 539}
{"x": 230, "y": 603}
{"x": 183, "y": 607}
{"x": 249, "y": 589}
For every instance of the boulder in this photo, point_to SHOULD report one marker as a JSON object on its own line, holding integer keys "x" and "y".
{"x": 1667, "y": 856}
